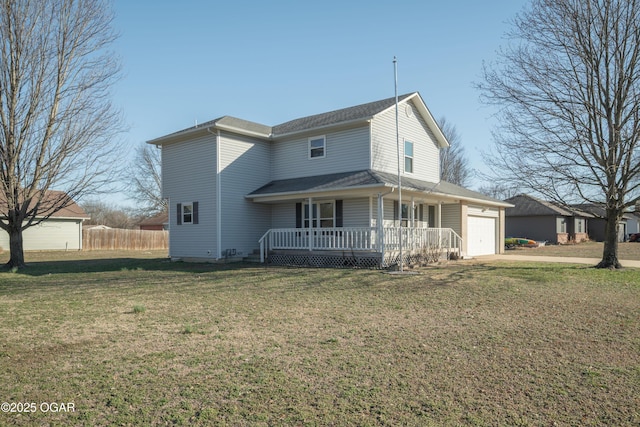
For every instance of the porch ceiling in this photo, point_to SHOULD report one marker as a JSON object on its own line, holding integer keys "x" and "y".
{"x": 365, "y": 183}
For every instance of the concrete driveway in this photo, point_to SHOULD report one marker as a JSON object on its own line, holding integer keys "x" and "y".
{"x": 569, "y": 260}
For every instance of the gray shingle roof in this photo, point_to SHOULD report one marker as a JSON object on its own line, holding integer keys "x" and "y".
{"x": 526, "y": 205}
{"x": 328, "y": 182}
{"x": 336, "y": 117}
{"x": 358, "y": 112}
{"x": 229, "y": 121}
{"x": 364, "y": 178}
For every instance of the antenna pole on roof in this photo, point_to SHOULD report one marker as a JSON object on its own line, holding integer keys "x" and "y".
{"x": 395, "y": 75}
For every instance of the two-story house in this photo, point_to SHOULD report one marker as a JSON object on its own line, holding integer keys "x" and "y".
{"x": 322, "y": 189}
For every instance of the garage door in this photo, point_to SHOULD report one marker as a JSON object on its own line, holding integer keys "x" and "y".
{"x": 481, "y": 235}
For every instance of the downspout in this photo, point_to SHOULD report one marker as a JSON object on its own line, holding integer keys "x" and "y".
{"x": 218, "y": 196}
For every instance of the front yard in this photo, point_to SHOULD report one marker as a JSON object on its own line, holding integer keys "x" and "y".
{"x": 138, "y": 340}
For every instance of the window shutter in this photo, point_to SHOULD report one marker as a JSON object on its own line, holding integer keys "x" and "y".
{"x": 298, "y": 215}
{"x": 338, "y": 213}
{"x": 395, "y": 210}
{"x": 195, "y": 213}
{"x": 179, "y": 217}
{"x": 421, "y": 213}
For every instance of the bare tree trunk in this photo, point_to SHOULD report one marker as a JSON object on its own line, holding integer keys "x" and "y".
{"x": 610, "y": 251}
{"x": 16, "y": 248}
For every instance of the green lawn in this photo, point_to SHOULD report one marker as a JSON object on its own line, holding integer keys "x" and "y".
{"x": 137, "y": 340}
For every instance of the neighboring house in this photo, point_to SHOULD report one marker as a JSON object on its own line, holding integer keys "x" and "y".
{"x": 596, "y": 226}
{"x": 633, "y": 222}
{"x": 545, "y": 221}
{"x": 61, "y": 231}
{"x": 157, "y": 222}
{"x": 321, "y": 189}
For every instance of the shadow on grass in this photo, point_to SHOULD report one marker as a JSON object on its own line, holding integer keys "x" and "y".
{"x": 449, "y": 275}
{"x": 102, "y": 265}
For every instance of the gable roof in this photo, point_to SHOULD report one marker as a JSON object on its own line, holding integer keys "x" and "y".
{"x": 526, "y": 205}
{"x": 366, "y": 179}
{"x": 343, "y": 116}
{"x": 356, "y": 113}
{"x": 52, "y": 198}
{"x": 599, "y": 211}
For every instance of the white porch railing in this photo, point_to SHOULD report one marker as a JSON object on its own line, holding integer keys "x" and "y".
{"x": 359, "y": 239}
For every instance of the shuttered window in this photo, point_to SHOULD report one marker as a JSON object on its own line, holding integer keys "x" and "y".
{"x": 321, "y": 215}
{"x": 187, "y": 213}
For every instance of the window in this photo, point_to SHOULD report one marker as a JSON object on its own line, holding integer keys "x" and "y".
{"x": 326, "y": 217}
{"x": 408, "y": 157}
{"x": 406, "y": 209}
{"x": 187, "y": 213}
{"x": 317, "y": 147}
{"x": 323, "y": 214}
{"x": 562, "y": 225}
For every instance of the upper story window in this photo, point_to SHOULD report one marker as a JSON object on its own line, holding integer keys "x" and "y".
{"x": 317, "y": 147}
{"x": 408, "y": 157}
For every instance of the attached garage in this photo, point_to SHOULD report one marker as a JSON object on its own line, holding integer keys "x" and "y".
{"x": 482, "y": 231}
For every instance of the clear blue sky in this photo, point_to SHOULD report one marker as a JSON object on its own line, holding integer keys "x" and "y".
{"x": 273, "y": 61}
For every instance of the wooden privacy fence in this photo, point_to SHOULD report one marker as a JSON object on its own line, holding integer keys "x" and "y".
{"x": 121, "y": 239}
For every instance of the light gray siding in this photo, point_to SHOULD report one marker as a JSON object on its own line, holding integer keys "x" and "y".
{"x": 189, "y": 175}
{"x": 244, "y": 166}
{"x": 283, "y": 215}
{"x": 389, "y": 214}
{"x": 426, "y": 158}
{"x": 52, "y": 234}
{"x": 356, "y": 212}
{"x": 345, "y": 151}
{"x": 452, "y": 218}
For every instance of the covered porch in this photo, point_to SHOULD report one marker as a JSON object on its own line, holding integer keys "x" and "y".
{"x": 360, "y": 218}
{"x": 358, "y": 246}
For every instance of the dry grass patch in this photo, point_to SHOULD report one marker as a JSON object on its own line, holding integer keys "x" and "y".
{"x": 466, "y": 344}
{"x": 627, "y": 250}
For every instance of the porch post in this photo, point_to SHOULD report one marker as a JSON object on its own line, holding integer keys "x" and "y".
{"x": 412, "y": 214}
{"x": 439, "y": 220}
{"x": 411, "y": 234}
{"x": 310, "y": 201}
{"x": 380, "y": 224}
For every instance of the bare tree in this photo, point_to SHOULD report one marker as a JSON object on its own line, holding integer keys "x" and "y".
{"x": 499, "y": 190}
{"x": 569, "y": 96}
{"x": 144, "y": 180}
{"x": 454, "y": 166}
{"x": 56, "y": 123}
{"x": 102, "y": 213}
